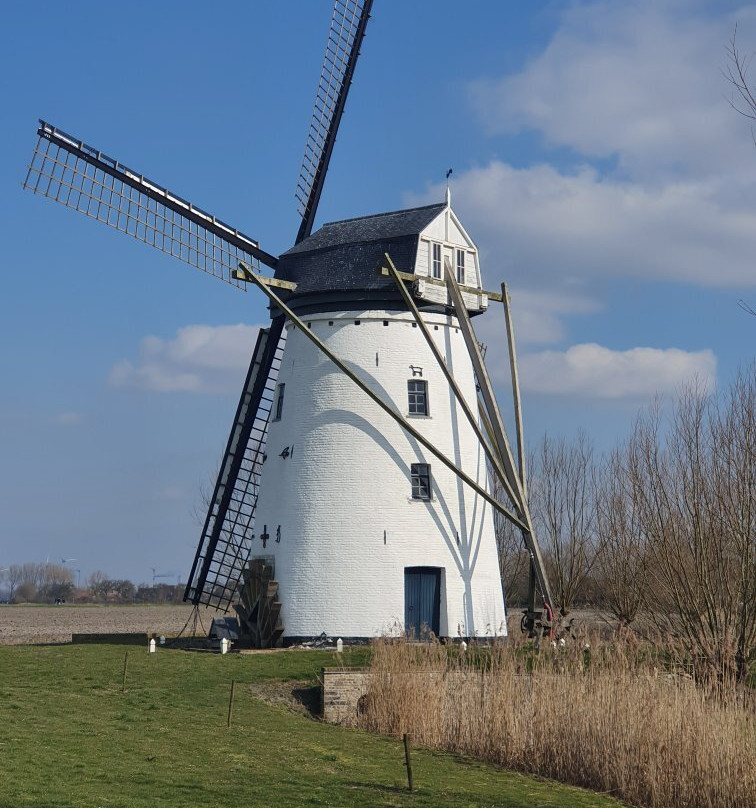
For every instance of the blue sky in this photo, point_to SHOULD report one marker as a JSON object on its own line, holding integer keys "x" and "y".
{"x": 596, "y": 161}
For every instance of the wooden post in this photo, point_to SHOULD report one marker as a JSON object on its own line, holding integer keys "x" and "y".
{"x": 515, "y": 389}
{"x": 231, "y": 703}
{"x": 408, "y": 760}
{"x": 125, "y": 668}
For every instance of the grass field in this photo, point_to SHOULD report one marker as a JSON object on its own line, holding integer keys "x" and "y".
{"x": 71, "y": 737}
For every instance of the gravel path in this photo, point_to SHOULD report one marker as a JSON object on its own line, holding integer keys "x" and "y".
{"x": 40, "y": 624}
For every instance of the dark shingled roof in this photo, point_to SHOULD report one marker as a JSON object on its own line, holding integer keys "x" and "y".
{"x": 338, "y": 265}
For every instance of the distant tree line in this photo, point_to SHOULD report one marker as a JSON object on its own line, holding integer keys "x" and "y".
{"x": 35, "y": 582}
{"x": 660, "y": 532}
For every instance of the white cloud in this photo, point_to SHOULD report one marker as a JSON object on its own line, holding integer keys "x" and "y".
{"x": 68, "y": 418}
{"x": 640, "y": 81}
{"x": 593, "y": 371}
{"x": 540, "y": 224}
{"x": 199, "y": 359}
{"x": 536, "y": 315}
{"x": 655, "y": 177}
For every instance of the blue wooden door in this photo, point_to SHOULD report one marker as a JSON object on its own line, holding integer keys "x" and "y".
{"x": 422, "y": 600}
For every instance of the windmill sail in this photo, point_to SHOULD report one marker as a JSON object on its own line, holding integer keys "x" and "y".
{"x": 342, "y": 49}
{"x": 81, "y": 177}
{"x": 227, "y": 536}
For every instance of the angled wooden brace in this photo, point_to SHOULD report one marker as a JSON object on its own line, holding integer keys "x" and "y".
{"x": 521, "y": 461}
{"x": 496, "y": 425}
{"x": 486, "y": 389}
{"x": 259, "y": 281}
{"x": 493, "y": 457}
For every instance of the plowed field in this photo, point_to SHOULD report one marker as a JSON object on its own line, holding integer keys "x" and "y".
{"x": 41, "y": 624}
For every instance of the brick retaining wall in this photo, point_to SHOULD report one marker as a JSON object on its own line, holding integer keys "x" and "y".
{"x": 342, "y": 690}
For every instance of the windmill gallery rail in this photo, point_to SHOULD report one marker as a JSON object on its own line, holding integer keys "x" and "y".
{"x": 354, "y": 493}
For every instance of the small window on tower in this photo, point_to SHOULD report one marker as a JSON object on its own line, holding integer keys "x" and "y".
{"x": 421, "y": 481}
{"x": 460, "y": 266}
{"x": 417, "y": 394}
{"x": 436, "y": 260}
{"x": 278, "y": 409}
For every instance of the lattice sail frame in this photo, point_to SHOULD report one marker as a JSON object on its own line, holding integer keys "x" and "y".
{"x": 345, "y": 35}
{"x": 81, "y": 177}
{"x": 227, "y": 535}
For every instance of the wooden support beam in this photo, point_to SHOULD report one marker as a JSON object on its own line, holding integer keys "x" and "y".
{"x": 471, "y": 290}
{"x": 259, "y": 281}
{"x": 521, "y": 461}
{"x": 498, "y": 432}
{"x": 279, "y": 284}
{"x": 473, "y": 421}
{"x": 484, "y": 382}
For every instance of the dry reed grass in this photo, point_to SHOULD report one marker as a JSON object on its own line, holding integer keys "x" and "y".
{"x": 606, "y": 716}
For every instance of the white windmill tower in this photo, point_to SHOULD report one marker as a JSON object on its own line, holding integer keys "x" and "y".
{"x": 354, "y": 492}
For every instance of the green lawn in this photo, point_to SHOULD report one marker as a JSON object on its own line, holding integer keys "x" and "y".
{"x": 70, "y": 737}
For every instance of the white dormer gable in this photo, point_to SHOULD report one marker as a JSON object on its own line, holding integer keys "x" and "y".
{"x": 445, "y": 239}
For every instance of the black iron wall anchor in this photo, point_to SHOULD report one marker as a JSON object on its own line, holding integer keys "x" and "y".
{"x": 416, "y": 370}
{"x": 278, "y": 534}
{"x": 265, "y": 536}
{"x": 285, "y": 453}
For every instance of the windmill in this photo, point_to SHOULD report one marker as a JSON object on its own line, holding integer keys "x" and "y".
{"x": 353, "y": 496}
{"x": 157, "y": 576}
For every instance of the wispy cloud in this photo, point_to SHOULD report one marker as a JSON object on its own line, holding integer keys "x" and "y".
{"x": 638, "y": 81}
{"x": 537, "y": 315}
{"x": 593, "y": 371}
{"x": 199, "y": 359}
{"x": 644, "y": 172}
{"x": 656, "y": 176}
{"x": 544, "y": 225}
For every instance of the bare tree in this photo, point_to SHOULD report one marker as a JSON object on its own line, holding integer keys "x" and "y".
{"x": 693, "y": 491}
{"x": 620, "y": 573}
{"x": 57, "y": 582}
{"x": 743, "y": 99}
{"x": 14, "y": 576}
{"x": 514, "y": 559}
{"x": 98, "y": 583}
{"x": 563, "y": 509}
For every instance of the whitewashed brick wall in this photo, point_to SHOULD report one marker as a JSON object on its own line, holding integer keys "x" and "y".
{"x": 346, "y": 484}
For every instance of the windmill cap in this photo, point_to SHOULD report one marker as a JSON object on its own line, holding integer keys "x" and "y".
{"x": 337, "y": 266}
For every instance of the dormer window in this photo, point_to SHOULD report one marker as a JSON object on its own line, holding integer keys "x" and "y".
{"x": 436, "y": 260}
{"x": 460, "y": 266}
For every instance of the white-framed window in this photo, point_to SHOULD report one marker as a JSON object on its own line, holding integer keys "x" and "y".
{"x": 278, "y": 407}
{"x": 421, "y": 480}
{"x": 417, "y": 396}
{"x": 436, "y": 260}
{"x": 460, "y": 266}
